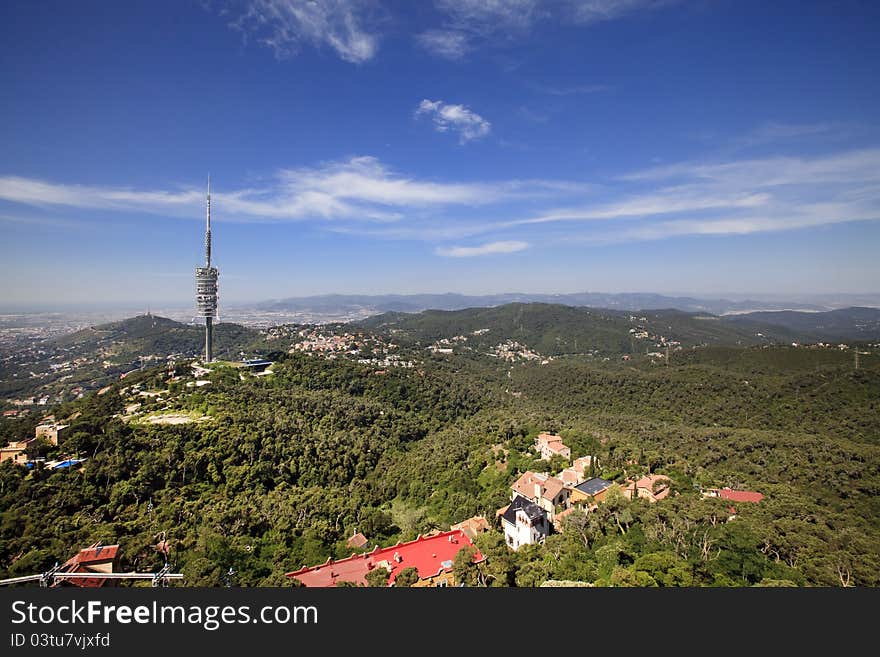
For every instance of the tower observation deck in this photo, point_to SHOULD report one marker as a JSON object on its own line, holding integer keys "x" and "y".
{"x": 206, "y": 287}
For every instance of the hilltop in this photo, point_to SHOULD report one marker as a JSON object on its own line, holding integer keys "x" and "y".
{"x": 63, "y": 367}
{"x": 154, "y": 335}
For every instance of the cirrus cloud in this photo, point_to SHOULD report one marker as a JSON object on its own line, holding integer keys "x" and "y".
{"x": 511, "y": 246}
{"x": 284, "y": 25}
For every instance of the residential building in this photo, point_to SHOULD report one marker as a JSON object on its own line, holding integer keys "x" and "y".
{"x": 578, "y": 471}
{"x": 734, "y": 495}
{"x": 570, "y": 477}
{"x": 431, "y": 556}
{"x": 650, "y": 487}
{"x": 96, "y": 559}
{"x": 582, "y": 465}
{"x": 591, "y": 489}
{"x": 15, "y": 451}
{"x": 472, "y": 526}
{"x": 524, "y": 523}
{"x": 358, "y": 541}
{"x": 547, "y": 492}
{"x": 550, "y": 445}
{"x": 51, "y": 432}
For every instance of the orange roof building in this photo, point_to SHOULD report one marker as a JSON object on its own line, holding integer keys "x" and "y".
{"x": 96, "y": 559}
{"x": 472, "y": 526}
{"x": 358, "y": 541}
{"x": 542, "y": 489}
{"x": 734, "y": 495}
{"x": 550, "y": 445}
{"x": 650, "y": 487}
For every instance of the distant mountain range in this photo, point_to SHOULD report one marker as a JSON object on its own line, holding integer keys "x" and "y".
{"x": 352, "y": 304}
{"x": 841, "y": 324}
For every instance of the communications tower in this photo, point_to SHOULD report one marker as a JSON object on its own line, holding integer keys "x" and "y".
{"x": 206, "y": 286}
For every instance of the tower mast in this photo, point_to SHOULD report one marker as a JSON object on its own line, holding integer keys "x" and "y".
{"x": 206, "y": 285}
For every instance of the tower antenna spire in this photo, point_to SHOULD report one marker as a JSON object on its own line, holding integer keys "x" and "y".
{"x": 208, "y": 226}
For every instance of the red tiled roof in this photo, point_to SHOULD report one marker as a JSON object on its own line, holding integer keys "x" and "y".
{"x": 525, "y": 485}
{"x": 569, "y": 476}
{"x": 552, "y": 442}
{"x": 740, "y": 495}
{"x": 429, "y": 555}
{"x": 647, "y": 483}
{"x": 87, "y": 560}
{"x": 552, "y": 487}
{"x": 357, "y": 541}
{"x": 472, "y": 526}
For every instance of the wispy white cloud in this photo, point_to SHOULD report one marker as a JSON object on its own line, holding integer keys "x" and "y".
{"x": 845, "y": 167}
{"x": 500, "y": 22}
{"x": 46, "y": 221}
{"x": 594, "y": 11}
{"x": 724, "y": 198}
{"x": 284, "y": 25}
{"x": 484, "y": 249}
{"x": 666, "y": 202}
{"x": 470, "y": 23}
{"x": 361, "y": 195}
{"x": 448, "y": 44}
{"x": 773, "y": 132}
{"x": 356, "y": 189}
{"x": 480, "y": 16}
{"x": 468, "y": 124}
{"x": 532, "y": 115}
{"x": 570, "y": 90}
{"x": 41, "y": 193}
{"x": 741, "y": 197}
{"x": 774, "y": 220}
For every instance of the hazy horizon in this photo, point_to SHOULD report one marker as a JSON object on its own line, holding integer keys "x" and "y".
{"x": 842, "y": 299}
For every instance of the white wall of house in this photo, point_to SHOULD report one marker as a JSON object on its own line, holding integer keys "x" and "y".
{"x": 524, "y": 531}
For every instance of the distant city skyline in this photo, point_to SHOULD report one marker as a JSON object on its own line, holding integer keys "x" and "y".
{"x": 537, "y": 146}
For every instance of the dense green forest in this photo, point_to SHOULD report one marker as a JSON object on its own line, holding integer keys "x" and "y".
{"x": 555, "y": 330}
{"x": 280, "y": 470}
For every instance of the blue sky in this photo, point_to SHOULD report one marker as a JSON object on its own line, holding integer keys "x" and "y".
{"x": 477, "y": 146}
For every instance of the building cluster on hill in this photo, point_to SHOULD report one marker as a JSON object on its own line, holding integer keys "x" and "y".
{"x": 16, "y": 450}
{"x": 539, "y": 502}
{"x": 48, "y": 431}
{"x": 511, "y": 350}
{"x": 363, "y": 349}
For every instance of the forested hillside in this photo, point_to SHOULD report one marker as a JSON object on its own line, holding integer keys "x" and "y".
{"x": 254, "y": 476}
{"x": 554, "y": 330}
{"x": 275, "y": 472}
